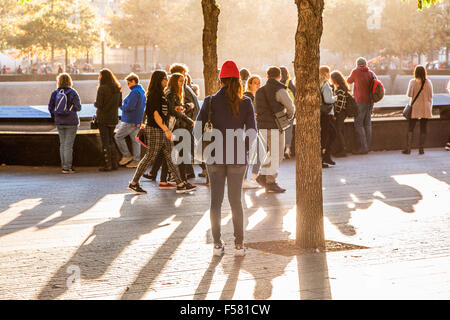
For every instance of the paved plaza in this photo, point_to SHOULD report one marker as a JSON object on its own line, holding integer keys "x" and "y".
{"x": 86, "y": 236}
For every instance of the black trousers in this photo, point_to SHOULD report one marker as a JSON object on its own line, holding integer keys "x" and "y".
{"x": 327, "y": 133}
{"x": 339, "y": 142}
{"x": 423, "y": 125}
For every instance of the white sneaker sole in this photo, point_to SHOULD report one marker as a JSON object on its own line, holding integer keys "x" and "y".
{"x": 218, "y": 252}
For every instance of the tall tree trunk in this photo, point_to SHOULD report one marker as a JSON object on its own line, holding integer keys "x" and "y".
{"x": 211, "y": 13}
{"x": 87, "y": 56}
{"x": 52, "y": 59}
{"x": 310, "y": 229}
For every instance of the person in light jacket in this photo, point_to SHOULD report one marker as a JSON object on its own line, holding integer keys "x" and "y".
{"x": 421, "y": 108}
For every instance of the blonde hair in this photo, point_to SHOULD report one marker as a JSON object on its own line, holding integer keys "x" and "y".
{"x": 250, "y": 81}
{"x": 64, "y": 80}
{"x": 323, "y": 70}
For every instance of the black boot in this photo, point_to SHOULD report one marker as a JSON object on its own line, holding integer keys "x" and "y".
{"x": 114, "y": 157}
{"x": 422, "y": 142}
{"x": 409, "y": 137}
{"x": 106, "y": 159}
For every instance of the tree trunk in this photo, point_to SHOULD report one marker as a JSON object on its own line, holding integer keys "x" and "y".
{"x": 87, "y": 56}
{"x": 52, "y": 59}
{"x": 310, "y": 229}
{"x": 136, "y": 48}
{"x": 67, "y": 59}
{"x": 211, "y": 20}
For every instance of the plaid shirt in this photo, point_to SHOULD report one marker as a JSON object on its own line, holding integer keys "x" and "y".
{"x": 341, "y": 100}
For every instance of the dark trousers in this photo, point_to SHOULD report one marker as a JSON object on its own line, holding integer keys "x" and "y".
{"x": 234, "y": 174}
{"x": 327, "y": 133}
{"x": 339, "y": 142}
{"x": 108, "y": 146}
{"x": 423, "y": 125}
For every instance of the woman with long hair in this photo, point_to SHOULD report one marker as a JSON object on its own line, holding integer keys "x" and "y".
{"x": 108, "y": 101}
{"x": 341, "y": 90}
{"x": 420, "y": 89}
{"x": 327, "y": 130}
{"x": 158, "y": 134}
{"x": 63, "y": 107}
{"x": 252, "y": 85}
{"x": 290, "y": 87}
{"x": 230, "y": 113}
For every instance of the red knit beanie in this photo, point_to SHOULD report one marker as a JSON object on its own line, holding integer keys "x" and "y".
{"x": 229, "y": 70}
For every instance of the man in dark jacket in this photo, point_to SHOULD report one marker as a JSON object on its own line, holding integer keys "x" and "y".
{"x": 361, "y": 76}
{"x": 132, "y": 114}
{"x": 270, "y": 99}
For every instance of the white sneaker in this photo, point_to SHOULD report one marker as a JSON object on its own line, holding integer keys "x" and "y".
{"x": 239, "y": 250}
{"x": 219, "y": 249}
{"x": 125, "y": 160}
{"x": 249, "y": 184}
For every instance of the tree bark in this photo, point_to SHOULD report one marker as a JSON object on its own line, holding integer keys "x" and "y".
{"x": 211, "y": 13}
{"x": 310, "y": 229}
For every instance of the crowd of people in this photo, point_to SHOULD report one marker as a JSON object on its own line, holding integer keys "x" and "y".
{"x": 170, "y": 103}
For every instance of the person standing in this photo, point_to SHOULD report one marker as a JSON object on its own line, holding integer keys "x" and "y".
{"x": 253, "y": 84}
{"x": 132, "y": 114}
{"x": 341, "y": 90}
{"x": 244, "y": 74}
{"x": 270, "y": 99}
{"x": 63, "y": 107}
{"x": 290, "y": 87}
{"x": 362, "y": 77}
{"x": 420, "y": 89}
{"x": 327, "y": 129}
{"x": 158, "y": 135}
{"x": 230, "y": 112}
{"x": 108, "y": 101}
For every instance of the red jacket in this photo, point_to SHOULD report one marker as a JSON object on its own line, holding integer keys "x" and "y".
{"x": 361, "y": 77}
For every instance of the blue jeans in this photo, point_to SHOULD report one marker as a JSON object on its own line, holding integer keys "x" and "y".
{"x": 67, "y": 136}
{"x": 124, "y": 130}
{"x": 363, "y": 125}
{"x": 234, "y": 174}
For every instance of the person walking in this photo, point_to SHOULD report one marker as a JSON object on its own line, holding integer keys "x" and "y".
{"x": 340, "y": 92}
{"x": 230, "y": 112}
{"x": 290, "y": 87}
{"x": 158, "y": 134}
{"x": 327, "y": 129}
{"x": 253, "y": 84}
{"x": 362, "y": 77}
{"x": 420, "y": 90}
{"x": 244, "y": 74}
{"x": 63, "y": 107}
{"x": 270, "y": 99}
{"x": 132, "y": 114}
{"x": 109, "y": 98}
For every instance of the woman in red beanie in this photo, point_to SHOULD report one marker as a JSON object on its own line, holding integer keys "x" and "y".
{"x": 230, "y": 111}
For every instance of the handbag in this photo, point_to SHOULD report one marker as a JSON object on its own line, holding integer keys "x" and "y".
{"x": 407, "y": 111}
{"x": 207, "y": 127}
{"x": 351, "y": 109}
{"x": 281, "y": 118}
{"x": 142, "y": 138}
{"x": 94, "y": 123}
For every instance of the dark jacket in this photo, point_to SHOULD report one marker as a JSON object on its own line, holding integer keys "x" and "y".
{"x": 108, "y": 101}
{"x": 183, "y": 120}
{"x": 266, "y": 104}
{"x": 73, "y": 99}
{"x": 191, "y": 97}
{"x": 223, "y": 119}
{"x": 250, "y": 95}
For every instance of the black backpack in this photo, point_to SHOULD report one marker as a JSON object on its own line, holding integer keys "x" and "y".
{"x": 351, "y": 109}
